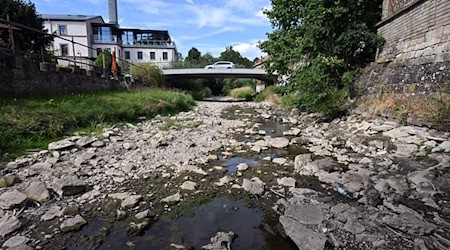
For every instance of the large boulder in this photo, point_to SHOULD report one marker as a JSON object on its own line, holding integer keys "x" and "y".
{"x": 37, "y": 191}
{"x": 12, "y": 199}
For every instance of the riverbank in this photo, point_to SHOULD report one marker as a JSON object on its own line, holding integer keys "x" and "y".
{"x": 31, "y": 123}
{"x": 274, "y": 178}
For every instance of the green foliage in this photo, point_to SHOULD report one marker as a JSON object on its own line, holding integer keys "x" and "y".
{"x": 198, "y": 88}
{"x": 234, "y": 56}
{"x": 108, "y": 60}
{"x": 316, "y": 41}
{"x": 149, "y": 73}
{"x": 246, "y": 93}
{"x": 200, "y": 94}
{"x": 194, "y": 56}
{"x": 237, "y": 83}
{"x": 34, "y": 122}
{"x": 25, "y": 13}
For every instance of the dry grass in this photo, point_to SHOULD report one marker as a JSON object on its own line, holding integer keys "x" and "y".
{"x": 246, "y": 93}
{"x": 432, "y": 108}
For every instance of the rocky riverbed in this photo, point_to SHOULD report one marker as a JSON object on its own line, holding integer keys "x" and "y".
{"x": 233, "y": 176}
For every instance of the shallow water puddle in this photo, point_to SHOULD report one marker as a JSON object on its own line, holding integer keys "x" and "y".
{"x": 232, "y": 162}
{"x": 220, "y": 214}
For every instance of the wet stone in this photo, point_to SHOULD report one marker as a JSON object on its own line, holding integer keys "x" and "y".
{"x": 73, "y": 224}
{"x": 222, "y": 241}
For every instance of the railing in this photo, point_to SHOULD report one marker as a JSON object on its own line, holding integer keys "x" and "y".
{"x": 104, "y": 39}
{"x": 149, "y": 43}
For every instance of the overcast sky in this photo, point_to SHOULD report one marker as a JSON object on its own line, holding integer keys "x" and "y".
{"x": 209, "y": 25}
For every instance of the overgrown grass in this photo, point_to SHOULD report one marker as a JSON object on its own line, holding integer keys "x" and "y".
{"x": 29, "y": 123}
{"x": 246, "y": 93}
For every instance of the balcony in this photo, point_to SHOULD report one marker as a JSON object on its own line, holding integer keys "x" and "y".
{"x": 149, "y": 44}
{"x": 105, "y": 39}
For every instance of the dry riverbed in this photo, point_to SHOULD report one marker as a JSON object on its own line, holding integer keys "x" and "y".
{"x": 233, "y": 176}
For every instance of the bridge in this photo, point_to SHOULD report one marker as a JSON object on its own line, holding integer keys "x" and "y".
{"x": 259, "y": 74}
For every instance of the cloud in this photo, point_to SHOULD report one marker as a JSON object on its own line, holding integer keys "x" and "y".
{"x": 249, "y": 50}
{"x": 213, "y": 33}
{"x": 190, "y": 1}
{"x": 149, "y": 7}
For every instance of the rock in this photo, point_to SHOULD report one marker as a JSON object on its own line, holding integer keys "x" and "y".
{"x": 405, "y": 150}
{"x": 172, "y": 199}
{"x": 85, "y": 141}
{"x": 302, "y": 160}
{"x": 286, "y": 181}
{"x": 373, "y": 198}
{"x": 60, "y": 145}
{"x": 224, "y": 180}
{"x": 15, "y": 241}
{"x": 73, "y": 224}
{"x": 12, "y": 199}
{"x": 382, "y": 128}
{"x": 194, "y": 169}
{"x": 314, "y": 168}
{"x": 365, "y": 160}
{"x": 119, "y": 196}
{"x": 242, "y": 166}
{"x": 69, "y": 185}
{"x": 53, "y": 212}
{"x": 396, "y": 133}
{"x": 302, "y": 236}
{"x": 37, "y": 191}
{"x": 137, "y": 229}
{"x": 279, "y": 161}
{"x": 410, "y": 223}
{"x": 305, "y": 214}
{"x": 9, "y": 224}
{"x": 8, "y": 180}
{"x": 443, "y": 147}
{"x": 98, "y": 144}
{"x": 430, "y": 144}
{"x": 128, "y": 146}
{"x": 262, "y": 132}
{"x": 222, "y": 241}
{"x": 353, "y": 226}
{"x": 254, "y": 186}
{"x": 131, "y": 201}
{"x": 256, "y": 149}
{"x": 142, "y": 215}
{"x": 278, "y": 142}
{"x": 188, "y": 185}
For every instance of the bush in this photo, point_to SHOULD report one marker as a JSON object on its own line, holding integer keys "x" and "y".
{"x": 246, "y": 93}
{"x": 201, "y": 94}
{"x": 230, "y": 84}
{"x": 268, "y": 95}
{"x": 318, "y": 86}
{"x": 149, "y": 73}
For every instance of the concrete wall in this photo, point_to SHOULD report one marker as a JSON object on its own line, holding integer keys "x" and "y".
{"x": 29, "y": 81}
{"x": 417, "y": 35}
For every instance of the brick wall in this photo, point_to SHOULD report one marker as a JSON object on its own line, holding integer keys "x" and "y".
{"x": 416, "y": 31}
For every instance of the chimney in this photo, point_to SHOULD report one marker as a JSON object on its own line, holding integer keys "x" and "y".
{"x": 112, "y": 9}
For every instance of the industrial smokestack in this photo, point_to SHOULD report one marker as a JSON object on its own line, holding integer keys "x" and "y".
{"x": 112, "y": 9}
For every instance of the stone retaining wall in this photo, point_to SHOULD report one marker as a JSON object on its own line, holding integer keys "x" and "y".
{"x": 28, "y": 80}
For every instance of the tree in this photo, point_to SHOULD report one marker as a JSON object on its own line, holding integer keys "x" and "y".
{"x": 149, "y": 73}
{"x": 108, "y": 60}
{"x": 317, "y": 42}
{"x": 234, "y": 56}
{"x": 194, "y": 55}
{"x": 24, "y": 13}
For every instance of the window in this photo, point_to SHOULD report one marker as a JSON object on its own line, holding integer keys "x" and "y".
{"x": 139, "y": 55}
{"x": 63, "y": 29}
{"x": 152, "y": 55}
{"x": 99, "y": 51}
{"x": 165, "y": 56}
{"x": 64, "y": 49}
{"x": 127, "y": 55}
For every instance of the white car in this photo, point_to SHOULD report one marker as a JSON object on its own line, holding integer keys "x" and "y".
{"x": 221, "y": 65}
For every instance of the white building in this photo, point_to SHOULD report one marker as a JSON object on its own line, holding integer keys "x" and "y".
{"x": 132, "y": 45}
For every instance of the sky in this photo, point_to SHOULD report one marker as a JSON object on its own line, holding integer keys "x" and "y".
{"x": 208, "y": 25}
